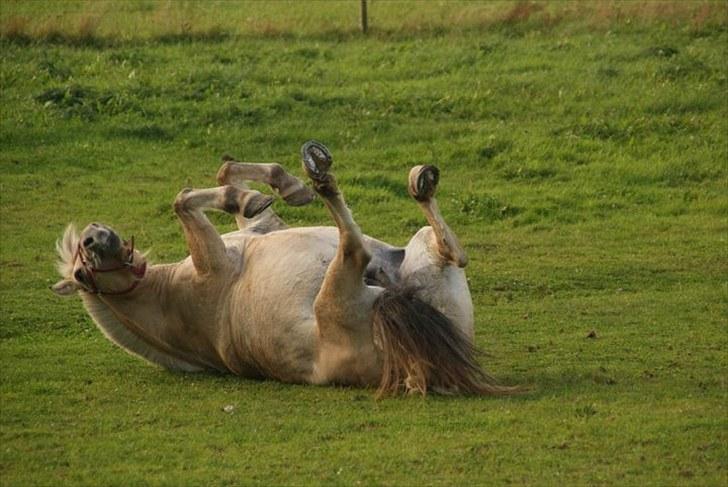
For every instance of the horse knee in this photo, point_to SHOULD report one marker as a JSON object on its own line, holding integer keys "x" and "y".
{"x": 180, "y": 201}
{"x": 277, "y": 172}
{"x": 354, "y": 251}
{"x": 223, "y": 173}
{"x": 451, "y": 252}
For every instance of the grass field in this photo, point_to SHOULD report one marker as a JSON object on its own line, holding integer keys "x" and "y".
{"x": 583, "y": 150}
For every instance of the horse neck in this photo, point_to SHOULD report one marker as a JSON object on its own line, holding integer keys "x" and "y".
{"x": 138, "y": 322}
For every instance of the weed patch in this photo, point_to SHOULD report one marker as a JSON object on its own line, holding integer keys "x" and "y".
{"x": 150, "y": 132}
{"x": 493, "y": 149}
{"x": 128, "y": 57}
{"x": 684, "y": 67}
{"x": 660, "y": 51}
{"x": 484, "y": 207}
{"x": 55, "y": 70}
{"x": 201, "y": 85}
{"x": 187, "y": 35}
{"x": 84, "y": 102}
{"x": 607, "y": 72}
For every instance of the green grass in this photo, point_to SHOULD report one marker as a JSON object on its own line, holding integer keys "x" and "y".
{"x": 584, "y": 166}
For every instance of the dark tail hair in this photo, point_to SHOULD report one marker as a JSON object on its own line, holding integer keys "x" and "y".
{"x": 423, "y": 350}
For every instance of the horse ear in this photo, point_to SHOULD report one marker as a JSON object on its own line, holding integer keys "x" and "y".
{"x": 65, "y": 287}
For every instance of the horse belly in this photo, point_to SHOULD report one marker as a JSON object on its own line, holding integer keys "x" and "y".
{"x": 272, "y": 304}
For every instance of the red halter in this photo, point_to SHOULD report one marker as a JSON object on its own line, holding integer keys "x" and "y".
{"x": 91, "y": 271}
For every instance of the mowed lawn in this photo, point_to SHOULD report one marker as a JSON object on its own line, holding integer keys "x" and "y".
{"x": 583, "y": 158}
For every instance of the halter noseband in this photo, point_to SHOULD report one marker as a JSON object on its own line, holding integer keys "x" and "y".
{"x": 91, "y": 271}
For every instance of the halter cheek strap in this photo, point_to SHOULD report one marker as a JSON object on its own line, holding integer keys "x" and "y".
{"x": 91, "y": 271}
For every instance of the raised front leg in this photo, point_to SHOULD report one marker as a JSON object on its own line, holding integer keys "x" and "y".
{"x": 203, "y": 241}
{"x": 288, "y": 187}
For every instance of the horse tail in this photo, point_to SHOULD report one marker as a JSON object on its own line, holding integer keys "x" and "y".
{"x": 423, "y": 350}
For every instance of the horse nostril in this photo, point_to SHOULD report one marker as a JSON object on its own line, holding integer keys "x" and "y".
{"x": 88, "y": 242}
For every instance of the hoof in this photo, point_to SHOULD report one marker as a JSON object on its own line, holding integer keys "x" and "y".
{"x": 300, "y": 197}
{"x": 256, "y": 204}
{"x": 423, "y": 182}
{"x": 316, "y": 160}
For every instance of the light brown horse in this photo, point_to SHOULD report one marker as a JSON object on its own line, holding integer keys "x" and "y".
{"x": 319, "y": 305}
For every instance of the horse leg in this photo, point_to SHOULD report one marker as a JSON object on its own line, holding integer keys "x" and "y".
{"x": 343, "y": 301}
{"x": 434, "y": 259}
{"x": 288, "y": 187}
{"x": 422, "y": 186}
{"x": 203, "y": 241}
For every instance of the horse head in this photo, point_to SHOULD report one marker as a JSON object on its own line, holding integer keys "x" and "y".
{"x": 98, "y": 261}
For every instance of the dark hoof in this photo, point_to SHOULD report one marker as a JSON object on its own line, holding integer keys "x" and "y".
{"x": 316, "y": 159}
{"x": 300, "y": 197}
{"x": 423, "y": 182}
{"x": 228, "y": 158}
{"x": 257, "y": 204}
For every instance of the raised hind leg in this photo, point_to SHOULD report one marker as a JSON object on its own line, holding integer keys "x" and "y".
{"x": 288, "y": 187}
{"x": 434, "y": 259}
{"x": 422, "y": 186}
{"x": 343, "y": 305}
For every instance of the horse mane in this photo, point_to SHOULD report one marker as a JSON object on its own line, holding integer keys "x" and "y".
{"x": 423, "y": 350}
{"x": 66, "y": 248}
{"x": 127, "y": 340}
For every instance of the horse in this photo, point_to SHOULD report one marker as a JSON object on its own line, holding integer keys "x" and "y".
{"x": 309, "y": 305}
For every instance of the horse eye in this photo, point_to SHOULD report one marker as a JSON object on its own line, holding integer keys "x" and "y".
{"x": 79, "y": 276}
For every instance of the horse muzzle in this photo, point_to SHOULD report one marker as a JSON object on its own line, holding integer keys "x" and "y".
{"x": 100, "y": 240}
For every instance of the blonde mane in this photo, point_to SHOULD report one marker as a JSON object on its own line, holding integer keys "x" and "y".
{"x": 66, "y": 248}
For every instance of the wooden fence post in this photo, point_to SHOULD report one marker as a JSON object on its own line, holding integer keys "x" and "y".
{"x": 364, "y": 19}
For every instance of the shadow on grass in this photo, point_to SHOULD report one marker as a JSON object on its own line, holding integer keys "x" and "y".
{"x": 59, "y": 38}
{"x": 534, "y": 388}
